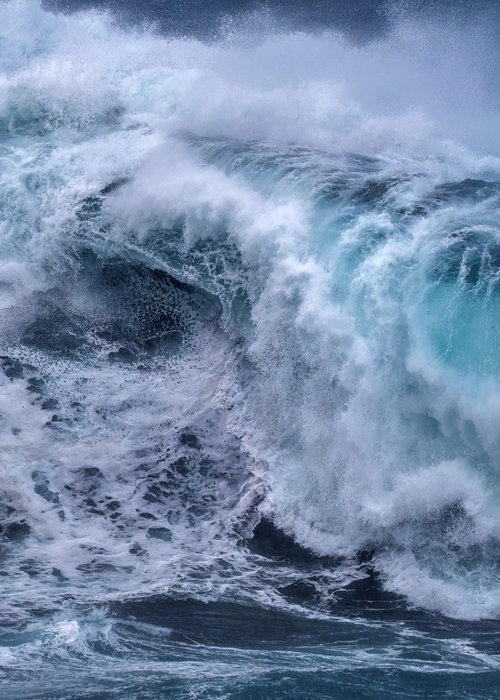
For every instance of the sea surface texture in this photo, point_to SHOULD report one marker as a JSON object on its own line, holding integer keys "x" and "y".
{"x": 249, "y": 350}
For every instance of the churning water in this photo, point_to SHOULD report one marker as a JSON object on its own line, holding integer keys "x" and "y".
{"x": 250, "y": 367}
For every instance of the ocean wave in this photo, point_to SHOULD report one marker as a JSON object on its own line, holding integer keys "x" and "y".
{"x": 234, "y": 289}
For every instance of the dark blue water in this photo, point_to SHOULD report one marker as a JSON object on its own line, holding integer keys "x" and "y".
{"x": 249, "y": 332}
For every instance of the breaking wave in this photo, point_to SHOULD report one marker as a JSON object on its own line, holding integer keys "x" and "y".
{"x": 247, "y": 284}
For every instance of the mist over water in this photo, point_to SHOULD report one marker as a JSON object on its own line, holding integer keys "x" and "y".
{"x": 249, "y": 332}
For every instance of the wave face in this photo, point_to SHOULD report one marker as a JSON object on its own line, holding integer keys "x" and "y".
{"x": 249, "y": 334}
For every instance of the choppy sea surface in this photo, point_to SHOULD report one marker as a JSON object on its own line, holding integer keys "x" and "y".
{"x": 249, "y": 352}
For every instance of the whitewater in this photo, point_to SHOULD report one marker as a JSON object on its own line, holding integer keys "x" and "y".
{"x": 250, "y": 369}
